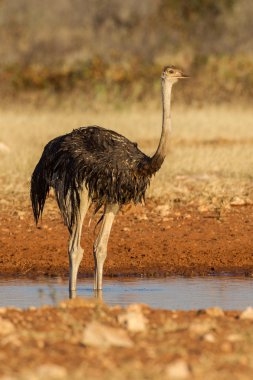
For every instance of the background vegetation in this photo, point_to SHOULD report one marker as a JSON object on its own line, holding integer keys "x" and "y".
{"x": 114, "y": 49}
{"x": 67, "y": 63}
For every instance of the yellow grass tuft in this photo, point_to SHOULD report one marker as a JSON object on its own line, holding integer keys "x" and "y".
{"x": 210, "y": 160}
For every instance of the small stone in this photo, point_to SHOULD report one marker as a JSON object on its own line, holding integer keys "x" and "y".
{"x": 203, "y": 208}
{"x": 142, "y": 217}
{"x": 247, "y": 313}
{"x": 202, "y": 327}
{"x": 51, "y": 371}
{"x": 236, "y": 201}
{"x": 226, "y": 347}
{"x": 6, "y": 327}
{"x": 163, "y": 210}
{"x": 178, "y": 370}
{"x": 4, "y": 202}
{"x": 134, "y": 321}
{"x": 21, "y": 214}
{"x": 12, "y": 339}
{"x": 234, "y": 338}
{"x": 99, "y": 335}
{"x": 170, "y": 325}
{"x": 209, "y": 338}
{"x": 215, "y": 312}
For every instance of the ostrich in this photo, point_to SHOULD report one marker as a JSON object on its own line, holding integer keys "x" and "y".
{"x": 93, "y": 165}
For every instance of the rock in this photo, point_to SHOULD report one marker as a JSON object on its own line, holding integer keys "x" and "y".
{"x": 4, "y": 202}
{"x": 21, "y": 214}
{"x": 6, "y": 327}
{"x": 226, "y": 347}
{"x": 163, "y": 210}
{"x": 201, "y": 327}
{"x": 247, "y": 313}
{"x": 209, "y": 338}
{"x": 234, "y": 338}
{"x": 99, "y": 335}
{"x": 133, "y": 320}
{"x": 215, "y": 312}
{"x": 236, "y": 201}
{"x": 50, "y": 372}
{"x": 142, "y": 217}
{"x": 178, "y": 370}
{"x": 12, "y": 339}
{"x": 170, "y": 326}
{"x": 203, "y": 208}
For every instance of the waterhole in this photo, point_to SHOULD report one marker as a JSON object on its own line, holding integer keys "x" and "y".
{"x": 166, "y": 293}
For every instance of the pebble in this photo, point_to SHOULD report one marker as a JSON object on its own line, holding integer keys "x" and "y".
{"x": 247, "y": 313}
{"x": 170, "y": 326}
{"x": 178, "y": 370}
{"x": 4, "y": 202}
{"x": 203, "y": 208}
{"x": 234, "y": 338}
{"x": 142, "y": 217}
{"x": 99, "y": 335}
{"x": 202, "y": 327}
{"x": 6, "y": 327}
{"x": 215, "y": 312}
{"x": 163, "y": 210}
{"x": 236, "y": 201}
{"x": 226, "y": 347}
{"x": 133, "y": 320}
{"x": 21, "y": 214}
{"x": 50, "y": 371}
{"x": 209, "y": 338}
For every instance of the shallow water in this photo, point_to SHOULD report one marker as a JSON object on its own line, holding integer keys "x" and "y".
{"x": 166, "y": 293}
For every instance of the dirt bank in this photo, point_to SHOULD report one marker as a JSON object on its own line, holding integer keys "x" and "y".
{"x": 86, "y": 339}
{"x": 151, "y": 240}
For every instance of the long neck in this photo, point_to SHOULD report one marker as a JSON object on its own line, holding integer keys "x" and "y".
{"x": 159, "y": 156}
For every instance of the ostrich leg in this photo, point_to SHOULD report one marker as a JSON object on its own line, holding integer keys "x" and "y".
{"x": 75, "y": 250}
{"x": 100, "y": 246}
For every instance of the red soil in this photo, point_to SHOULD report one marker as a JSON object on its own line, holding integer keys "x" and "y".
{"x": 142, "y": 242}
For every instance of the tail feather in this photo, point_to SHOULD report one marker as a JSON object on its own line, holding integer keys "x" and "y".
{"x": 39, "y": 191}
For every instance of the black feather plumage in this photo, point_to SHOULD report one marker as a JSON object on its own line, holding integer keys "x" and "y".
{"x": 111, "y": 167}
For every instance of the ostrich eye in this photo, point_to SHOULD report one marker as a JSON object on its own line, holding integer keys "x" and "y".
{"x": 171, "y": 71}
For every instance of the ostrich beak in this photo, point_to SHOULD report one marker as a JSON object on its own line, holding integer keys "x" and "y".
{"x": 183, "y": 76}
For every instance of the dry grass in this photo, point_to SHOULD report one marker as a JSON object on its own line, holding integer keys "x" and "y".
{"x": 210, "y": 160}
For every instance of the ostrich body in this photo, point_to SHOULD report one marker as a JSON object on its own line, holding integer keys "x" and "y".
{"x": 99, "y": 166}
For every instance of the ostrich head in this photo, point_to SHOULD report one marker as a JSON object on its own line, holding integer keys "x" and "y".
{"x": 172, "y": 74}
